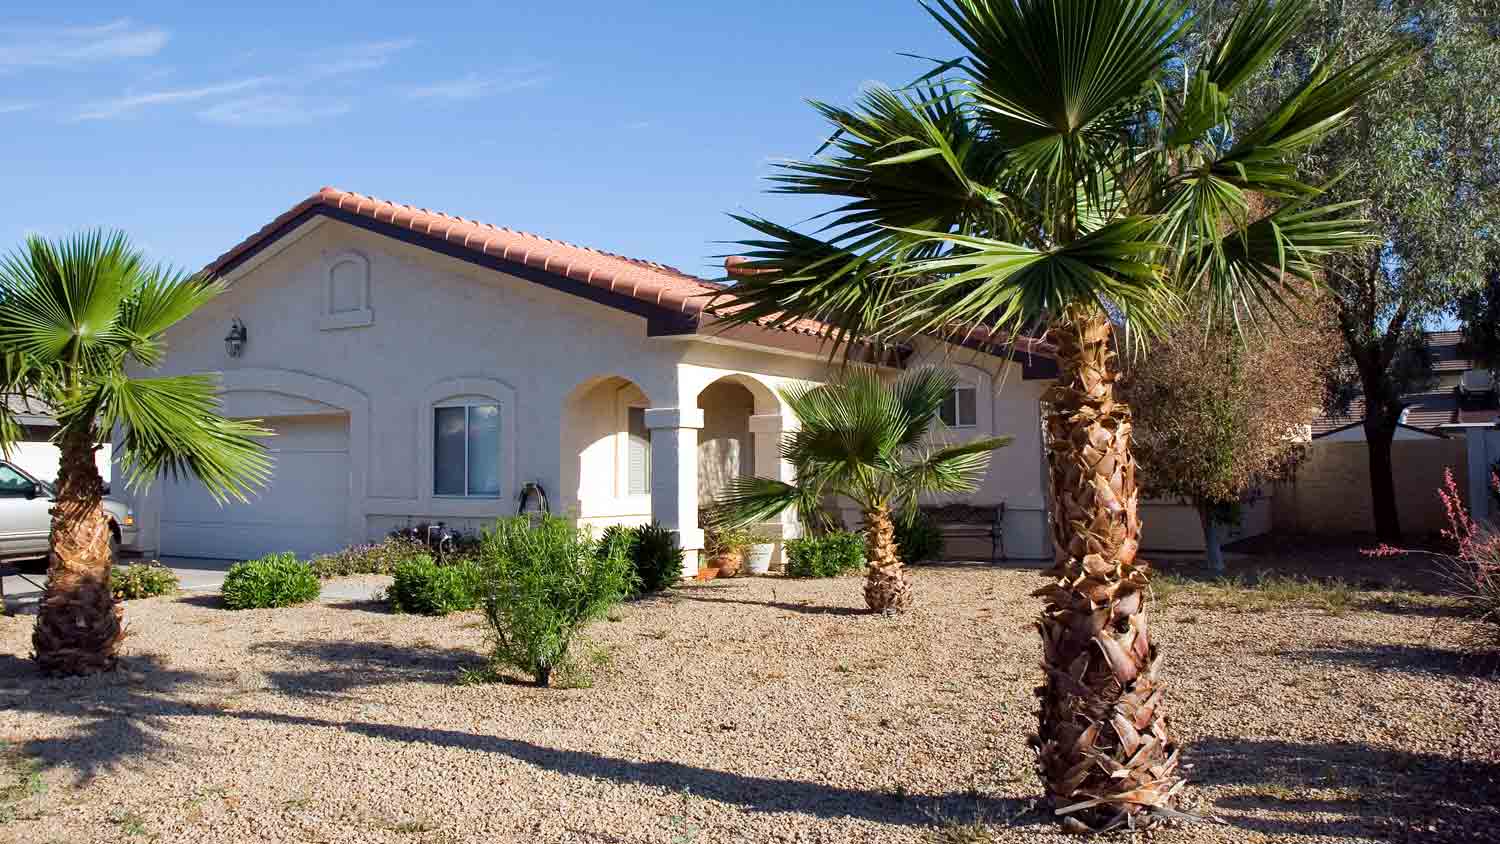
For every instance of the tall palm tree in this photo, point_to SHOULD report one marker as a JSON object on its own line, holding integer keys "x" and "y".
{"x": 868, "y": 441}
{"x": 73, "y": 315}
{"x": 1074, "y": 172}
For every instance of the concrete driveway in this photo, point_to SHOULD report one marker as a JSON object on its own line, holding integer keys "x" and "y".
{"x": 195, "y": 575}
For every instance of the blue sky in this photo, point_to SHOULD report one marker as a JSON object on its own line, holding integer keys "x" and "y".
{"x": 632, "y": 127}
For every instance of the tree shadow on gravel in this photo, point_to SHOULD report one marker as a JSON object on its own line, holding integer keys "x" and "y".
{"x": 1397, "y": 795}
{"x": 808, "y": 609}
{"x": 1412, "y": 659}
{"x": 130, "y": 715}
{"x": 345, "y": 666}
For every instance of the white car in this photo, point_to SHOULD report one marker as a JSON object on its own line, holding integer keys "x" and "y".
{"x": 26, "y": 520}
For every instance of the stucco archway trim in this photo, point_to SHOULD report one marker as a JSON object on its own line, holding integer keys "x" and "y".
{"x": 303, "y": 386}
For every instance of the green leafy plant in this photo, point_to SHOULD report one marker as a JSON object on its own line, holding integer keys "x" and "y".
{"x": 655, "y": 560}
{"x": 543, "y": 581}
{"x": 829, "y": 555}
{"x": 275, "y": 580}
{"x": 918, "y": 538}
{"x": 728, "y": 540}
{"x": 378, "y": 558}
{"x": 142, "y": 580}
{"x": 423, "y": 587}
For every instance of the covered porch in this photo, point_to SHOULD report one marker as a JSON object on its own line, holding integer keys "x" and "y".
{"x": 629, "y": 457}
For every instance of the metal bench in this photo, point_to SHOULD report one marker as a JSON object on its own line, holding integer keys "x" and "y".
{"x": 971, "y": 521}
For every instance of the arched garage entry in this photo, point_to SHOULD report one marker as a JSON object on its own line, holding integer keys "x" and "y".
{"x": 308, "y": 507}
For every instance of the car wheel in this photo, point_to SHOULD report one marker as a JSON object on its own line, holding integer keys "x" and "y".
{"x": 114, "y": 547}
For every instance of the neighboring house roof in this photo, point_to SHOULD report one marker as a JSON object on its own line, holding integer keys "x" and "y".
{"x": 673, "y": 301}
{"x": 1340, "y": 429}
{"x": 29, "y": 412}
{"x": 1429, "y": 410}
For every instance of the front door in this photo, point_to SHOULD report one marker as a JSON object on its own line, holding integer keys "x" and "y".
{"x": 25, "y": 520}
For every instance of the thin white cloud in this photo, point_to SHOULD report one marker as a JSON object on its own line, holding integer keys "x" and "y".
{"x": 474, "y": 86}
{"x": 64, "y": 47}
{"x": 12, "y": 108}
{"x": 125, "y": 105}
{"x": 272, "y": 110}
{"x": 358, "y": 58}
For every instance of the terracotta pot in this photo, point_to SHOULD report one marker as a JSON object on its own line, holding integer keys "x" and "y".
{"x": 727, "y": 564}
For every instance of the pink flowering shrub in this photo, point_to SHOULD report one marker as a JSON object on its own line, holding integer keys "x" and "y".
{"x": 1474, "y": 568}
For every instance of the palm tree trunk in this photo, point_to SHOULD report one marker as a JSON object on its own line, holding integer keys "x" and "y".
{"x": 1103, "y": 746}
{"x": 886, "y": 586}
{"x": 78, "y": 629}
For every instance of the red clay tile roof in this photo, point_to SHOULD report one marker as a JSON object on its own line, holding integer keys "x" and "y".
{"x": 646, "y": 281}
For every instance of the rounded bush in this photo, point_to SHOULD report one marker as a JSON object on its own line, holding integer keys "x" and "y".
{"x": 276, "y": 580}
{"x": 825, "y": 556}
{"x": 142, "y": 580}
{"x": 426, "y": 588}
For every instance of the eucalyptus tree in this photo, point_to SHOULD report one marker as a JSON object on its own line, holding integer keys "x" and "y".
{"x": 1071, "y": 174}
{"x": 1422, "y": 151}
{"x": 74, "y": 314}
{"x": 871, "y": 442}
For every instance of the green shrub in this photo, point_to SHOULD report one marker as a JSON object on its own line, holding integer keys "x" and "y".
{"x": 918, "y": 538}
{"x": 655, "y": 559}
{"x": 275, "y": 580}
{"x": 379, "y": 558}
{"x": 426, "y": 588}
{"x": 142, "y": 580}
{"x": 825, "y": 556}
{"x": 543, "y": 581}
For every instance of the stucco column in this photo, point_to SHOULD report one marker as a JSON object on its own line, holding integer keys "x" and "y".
{"x": 674, "y": 477}
{"x": 767, "y": 429}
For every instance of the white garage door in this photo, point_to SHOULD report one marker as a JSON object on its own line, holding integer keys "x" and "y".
{"x": 304, "y": 509}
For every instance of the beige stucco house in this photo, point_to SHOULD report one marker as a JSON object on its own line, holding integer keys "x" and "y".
{"x": 417, "y": 366}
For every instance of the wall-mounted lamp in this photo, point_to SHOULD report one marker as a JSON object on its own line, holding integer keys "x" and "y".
{"x": 234, "y": 342}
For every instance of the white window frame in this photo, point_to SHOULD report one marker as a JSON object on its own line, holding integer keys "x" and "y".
{"x": 629, "y": 397}
{"x": 958, "y": 422}
{"x": 468, "y": 403}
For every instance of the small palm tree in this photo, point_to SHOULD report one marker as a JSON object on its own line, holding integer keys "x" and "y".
{"x": 73, "y": 315}
{"x": 866, "y": 440}
{"x": 1080, "y": 168}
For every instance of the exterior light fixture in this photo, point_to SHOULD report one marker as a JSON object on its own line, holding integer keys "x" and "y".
{"x": 234, "y": 342}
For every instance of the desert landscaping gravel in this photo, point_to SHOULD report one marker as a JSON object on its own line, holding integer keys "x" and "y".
{"x": 741, "y": 710}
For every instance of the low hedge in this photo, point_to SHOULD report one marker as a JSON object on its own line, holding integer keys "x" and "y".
{"x": 825, "y": 556}
{"x": 380, "y": 558}
{"x": 425, "y": 588}
{"x": 275, "y": 580}
{"x": 142, "y": 580}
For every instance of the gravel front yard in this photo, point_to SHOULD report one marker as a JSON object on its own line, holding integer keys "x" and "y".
{"x": 744, "y": 710}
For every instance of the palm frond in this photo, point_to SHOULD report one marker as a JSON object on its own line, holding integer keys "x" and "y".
{"x": 62, "y": 298}
{"x": 1055, "y": 80}
{"x": 1008, "y": 286}
{"x": 920, "y": 394}
{"x": 1258, "y": 261}
{"x": 749, "y": 500}
{"x": 161, "y": 297}
{"x": 951, "y": 469}
{"x": 171, "y": 426}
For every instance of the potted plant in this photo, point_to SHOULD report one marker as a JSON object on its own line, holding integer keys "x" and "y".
{"x": 725, "y": 548}
{"x": 761, "y": 548}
